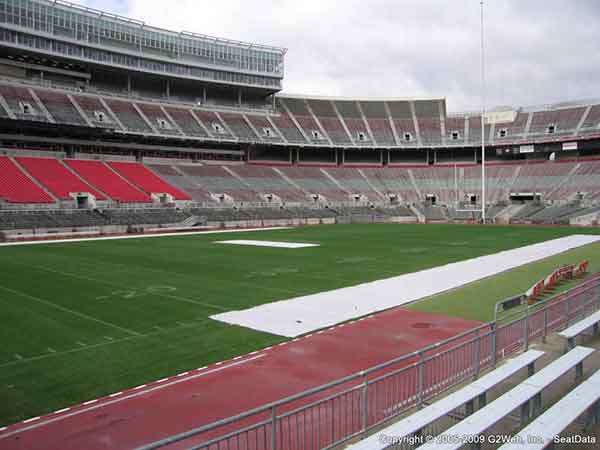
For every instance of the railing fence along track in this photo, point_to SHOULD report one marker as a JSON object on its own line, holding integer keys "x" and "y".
{"x": 328, "y": 415}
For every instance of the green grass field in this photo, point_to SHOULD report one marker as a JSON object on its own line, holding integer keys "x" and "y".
{"x": 82, "y": 320}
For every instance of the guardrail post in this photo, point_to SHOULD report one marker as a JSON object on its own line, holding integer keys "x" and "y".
{"x": 365, "y": 418}
{"x": 477, "y": 356}
{"x": 545, "y": 325}
{"x": 273, "y": 428}
{"x": 494, "y": 344}
{"x": 567, "y": 312}
{"x": 526, "y": 329}
{"x": 421, "y": 394}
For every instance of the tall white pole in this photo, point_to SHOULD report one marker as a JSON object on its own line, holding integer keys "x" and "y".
{"x": 482, "y": 121}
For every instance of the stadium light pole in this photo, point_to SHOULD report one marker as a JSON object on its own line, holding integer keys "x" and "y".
{"x": 482, "y": 120}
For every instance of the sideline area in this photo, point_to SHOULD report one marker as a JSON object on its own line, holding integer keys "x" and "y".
{"x": 138, "y": 236}
{"x": 301, "y": 315}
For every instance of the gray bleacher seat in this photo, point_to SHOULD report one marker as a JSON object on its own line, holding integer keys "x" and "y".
{"x": 518, "y": 397}
{"x": 426, "y": 416}
{"x": 576, "y": 329}
{"x": 541, "y": 432}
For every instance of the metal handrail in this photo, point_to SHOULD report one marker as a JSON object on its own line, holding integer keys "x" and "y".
{"x": 493, "y": 328}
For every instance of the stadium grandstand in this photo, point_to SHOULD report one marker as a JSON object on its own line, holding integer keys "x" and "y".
{"x": 112, "y": 129}
{"x": 205, "y": 119}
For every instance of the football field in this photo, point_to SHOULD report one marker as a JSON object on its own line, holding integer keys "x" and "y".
{"x": 86, "y": 319}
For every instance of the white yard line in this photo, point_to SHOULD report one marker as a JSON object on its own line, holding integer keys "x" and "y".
{"x": 86, "y": 347}
{"x": 144, "y": 236}
{"x": 70, "y": 311}
{"x": 136, "y": 392}
{"x": 305, "y": 314}
{"x": 119, "y": 286}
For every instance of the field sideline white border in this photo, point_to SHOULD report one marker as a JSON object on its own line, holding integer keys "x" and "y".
{"x": 306, "y": 314}
{"x": 138, "y": 236}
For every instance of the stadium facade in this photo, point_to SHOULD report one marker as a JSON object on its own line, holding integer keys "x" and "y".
{"x": 203, "y": 125}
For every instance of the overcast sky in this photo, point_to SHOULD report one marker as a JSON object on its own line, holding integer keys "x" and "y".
{"x": 537, "y": 51}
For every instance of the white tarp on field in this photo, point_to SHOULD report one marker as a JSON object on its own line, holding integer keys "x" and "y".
{"x": 302, "y": 315}
{"x": 267, "y": 243}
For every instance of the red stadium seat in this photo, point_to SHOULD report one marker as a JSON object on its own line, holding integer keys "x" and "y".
{"x": 57, "y": 178}
{"x": 16, "y": 187}
{"x": 100, "y": 175}
{"x": 146, "y": 180}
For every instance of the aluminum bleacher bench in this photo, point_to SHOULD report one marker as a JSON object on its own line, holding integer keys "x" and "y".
{"x": 414, "y": 423}
{"x": 472, "y": 427}
{"x": 571, "y": 333}
{"x": 540, "y": 433}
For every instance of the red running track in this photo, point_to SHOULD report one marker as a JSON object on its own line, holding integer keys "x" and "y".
{"x": 174, "y": 405}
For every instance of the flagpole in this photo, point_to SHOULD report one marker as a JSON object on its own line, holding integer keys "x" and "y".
{"x": 482, "y": 121}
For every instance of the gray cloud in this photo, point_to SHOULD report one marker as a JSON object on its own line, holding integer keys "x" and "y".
{"x": 537, "y": 51}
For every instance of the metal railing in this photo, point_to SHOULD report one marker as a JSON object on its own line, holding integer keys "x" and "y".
{"x": 328, "y": 415}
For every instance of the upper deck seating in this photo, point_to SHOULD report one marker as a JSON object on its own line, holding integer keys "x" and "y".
{"x": 95, "y": 111}
{"x": 455, "y": 130}
{"x": 305, "y": 119}
{"x": 330, "y": 121}
{"x": 430, "y": 130}
{"x": 475, "y": 130}
{"x": 128, "y": 115}
{"x": 514, "y": 130}
{"x": 158, "y": 118}
{"x": 403, "y": 122}
{"x": 212, "y": 122}
{"x": 16, "y": 187}
{"x": 146, "y": 180}
{"x": 428, "y": 116}
{"x": 239, "y": 127}
{"x": 565, "y": 121}
{"x": 264, "y": 128}
{"x": 57, "y": 178}
{"x": 288, "y": 129}
{"x": 353, "y": 119}
{"x": 591, "y": 125}
{"x": 184, "y": 119}
{"x": 21, "y": 103}
{"x": 379, "y": 122}
{"x": 100, "y": 175}
{"x": 60, "y": 107}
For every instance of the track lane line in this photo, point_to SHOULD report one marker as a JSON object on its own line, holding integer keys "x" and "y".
{"x": 137, "y": 393}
